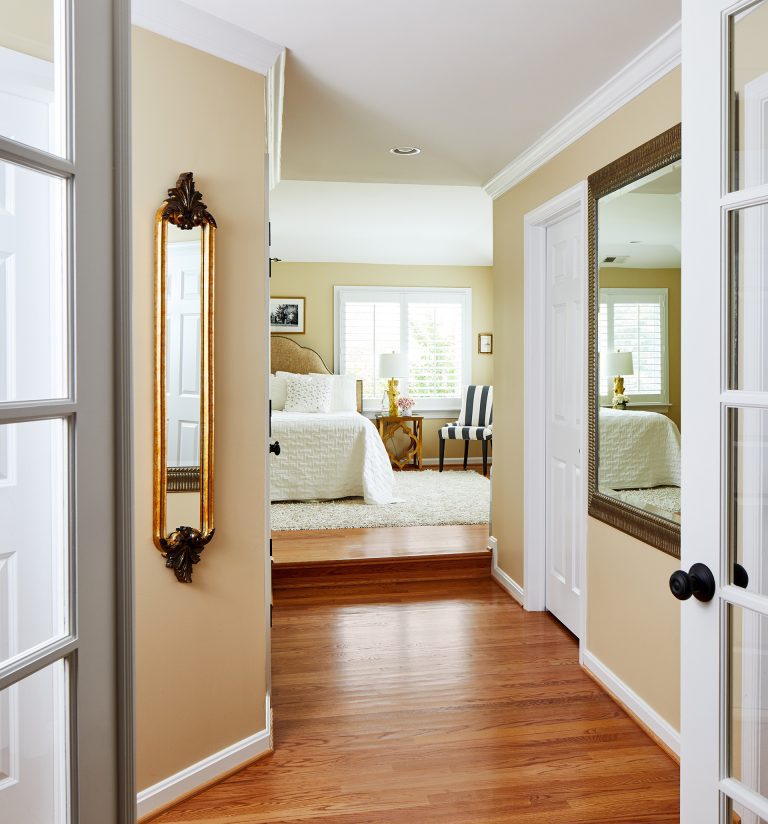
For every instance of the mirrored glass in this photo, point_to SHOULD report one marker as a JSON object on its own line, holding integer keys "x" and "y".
{"x": 34, "y": 547}
{"x": 34, "y": 747}
{"x": 638, "y": 341}
{"x": 32, "y": 74}
{"x": 33, "y": 285}
{"x": 748, "y": 130}
{"x": 748, "y": 299}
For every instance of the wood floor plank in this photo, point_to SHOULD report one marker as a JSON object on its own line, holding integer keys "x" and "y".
{"x": 443, "y": 701}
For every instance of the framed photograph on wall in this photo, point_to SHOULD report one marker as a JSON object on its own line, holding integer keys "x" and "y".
{"x": 286, "y": 315}
{"x": 485, "y": 343}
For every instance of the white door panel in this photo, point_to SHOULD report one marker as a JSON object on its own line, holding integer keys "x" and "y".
{"x": 564, "y": 343}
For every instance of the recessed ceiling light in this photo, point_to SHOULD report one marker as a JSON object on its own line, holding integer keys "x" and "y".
{"x": 405, "y": 150}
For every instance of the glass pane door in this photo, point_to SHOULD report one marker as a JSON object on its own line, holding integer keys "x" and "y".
{"x": 744, "y": 654}
{"x": 58, "y": 661}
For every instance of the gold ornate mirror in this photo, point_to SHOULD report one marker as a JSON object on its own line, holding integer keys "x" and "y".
{"x": 185, "y": 254}
{"x": 634, "y": 343}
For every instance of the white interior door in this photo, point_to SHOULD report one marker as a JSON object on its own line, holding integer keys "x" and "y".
{"x": 724, "y": 719}
{"x": 60, "y": 546}
{"x": 183, "y": 351}
{"x": 563, "y": 412}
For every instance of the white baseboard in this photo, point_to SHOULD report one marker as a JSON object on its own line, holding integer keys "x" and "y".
{"x": 512, "y": 587}
{"x": 176, "y": 787}
{"x": 455, "y": 461}
{"x": 633, "y": 702}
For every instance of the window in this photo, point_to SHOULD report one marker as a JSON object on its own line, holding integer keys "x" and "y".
{"x": 635, "y": 320}
{"x": 431, "y": 326}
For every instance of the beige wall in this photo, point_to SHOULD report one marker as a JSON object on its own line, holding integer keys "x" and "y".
{"x": 315, "y": 282}
{"x": 669, "y": 279}
{"x": 631, "y": 637}
{"x": 200, "y": 648}
{"x": 27, "y": 26}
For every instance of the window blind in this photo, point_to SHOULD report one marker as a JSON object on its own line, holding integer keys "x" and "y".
{"x": 635, "y": 320}
{"x": 431, "y": 326}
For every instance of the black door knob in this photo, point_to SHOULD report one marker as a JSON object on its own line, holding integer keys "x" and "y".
{"x": 274, "y": 448}
{"x": 698, "y": 581}
{"x": 740, "y": 576}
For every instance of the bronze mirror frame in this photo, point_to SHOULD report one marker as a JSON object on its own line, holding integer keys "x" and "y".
{"x": 181, "y": 547}
{"x": 650, "y": 157}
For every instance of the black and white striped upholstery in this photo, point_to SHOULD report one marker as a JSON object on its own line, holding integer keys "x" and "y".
{"x": 475, "y": 422}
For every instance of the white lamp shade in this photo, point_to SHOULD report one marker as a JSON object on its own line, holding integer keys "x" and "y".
{"x": 393, "y": 365}
{"x": 618, "y": 363}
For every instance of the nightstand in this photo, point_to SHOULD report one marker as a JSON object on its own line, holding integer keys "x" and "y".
{"x": 412, "y": 426}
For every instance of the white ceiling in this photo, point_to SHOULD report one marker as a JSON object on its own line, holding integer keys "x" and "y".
{"x": 641, "y": 223}
{"x": 472, "y": 84}
{"x": 381, "y": 223}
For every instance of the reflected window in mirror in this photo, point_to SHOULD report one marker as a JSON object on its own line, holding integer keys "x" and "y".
{"x": 635, "y": 258}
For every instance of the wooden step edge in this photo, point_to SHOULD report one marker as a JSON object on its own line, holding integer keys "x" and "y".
{"x": 384, "y": 560}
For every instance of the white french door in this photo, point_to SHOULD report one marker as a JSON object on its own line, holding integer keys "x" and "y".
{"x": 65, "y": 742}
{"x": 724, "y": 723}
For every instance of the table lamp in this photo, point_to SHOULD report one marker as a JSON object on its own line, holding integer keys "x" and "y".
{"x": 618, "y": 364}
{"x": 393, "y": 365}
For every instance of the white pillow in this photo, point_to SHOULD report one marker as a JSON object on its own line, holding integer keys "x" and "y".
{"x": 305, "y": 394}
{"x": 343, "y": 391}
{"x": 278, "y": 386}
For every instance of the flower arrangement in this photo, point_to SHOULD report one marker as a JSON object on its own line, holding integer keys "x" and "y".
{"x": 405, "y": 404}
{"x": 620, "y": 401}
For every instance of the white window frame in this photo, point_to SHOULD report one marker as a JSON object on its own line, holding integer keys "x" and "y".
{"x": 627, "y": 295}
{"x": 429, "y": 407}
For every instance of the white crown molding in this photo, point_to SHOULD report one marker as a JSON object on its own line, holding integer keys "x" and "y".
{"x": 175, "y": 788}
{"x": 649, "y": 66}
{"x": 185, "y": 24}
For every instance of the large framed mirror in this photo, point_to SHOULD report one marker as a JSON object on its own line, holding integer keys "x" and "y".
{"x": 185, "y": 255}
{"x": 634, "y": 342}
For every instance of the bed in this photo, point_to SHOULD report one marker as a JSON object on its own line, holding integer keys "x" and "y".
{"x": 324, "y": 455}
{"x": 638, "y": 450}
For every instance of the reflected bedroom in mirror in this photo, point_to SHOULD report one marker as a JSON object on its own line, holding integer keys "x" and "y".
{"x": 635, "y": 335}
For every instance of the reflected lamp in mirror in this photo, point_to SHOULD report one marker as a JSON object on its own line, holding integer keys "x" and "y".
{"x": 185, "y": 234}
{"x": 392, "y": 366}
{"x": 617, "y": 365}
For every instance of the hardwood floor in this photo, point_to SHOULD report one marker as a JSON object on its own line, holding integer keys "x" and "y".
{"x": 437, "y": 702}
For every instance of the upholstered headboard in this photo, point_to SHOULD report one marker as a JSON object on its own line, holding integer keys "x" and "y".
{"x": 288, "y": 356}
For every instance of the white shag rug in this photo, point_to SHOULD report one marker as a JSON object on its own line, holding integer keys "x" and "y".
{"x": 427, "y": 498}
{"x": 662, "y": 500}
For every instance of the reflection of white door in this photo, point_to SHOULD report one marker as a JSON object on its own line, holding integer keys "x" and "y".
{"x": 183, "y": 353}
{"x": 563, "y": 412}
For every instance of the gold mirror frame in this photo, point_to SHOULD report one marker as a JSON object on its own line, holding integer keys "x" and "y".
{"x": 650, "y": 157}
{"x": 181, "y": 548}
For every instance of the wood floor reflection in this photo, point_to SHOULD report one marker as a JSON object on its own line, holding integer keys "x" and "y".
{"x": 441, "y": 701}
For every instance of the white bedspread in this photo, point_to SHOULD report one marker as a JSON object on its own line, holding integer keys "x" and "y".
{"x": 326, "y": 456}
{"x": 638, "y": 450}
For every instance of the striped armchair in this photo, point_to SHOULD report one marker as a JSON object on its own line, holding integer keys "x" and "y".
{"x": 475, "y": 423}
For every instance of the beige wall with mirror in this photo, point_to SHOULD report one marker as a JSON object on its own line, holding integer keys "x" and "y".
{"x": 635, "y": 400}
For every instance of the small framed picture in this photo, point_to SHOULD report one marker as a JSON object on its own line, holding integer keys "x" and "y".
{"x": 286, "y": 315}
{"x": 485, "y": 343}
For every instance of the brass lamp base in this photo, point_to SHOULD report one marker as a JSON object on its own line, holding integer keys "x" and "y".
{"x": 393, "y": 394}
{"x": 618, "y": 385}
